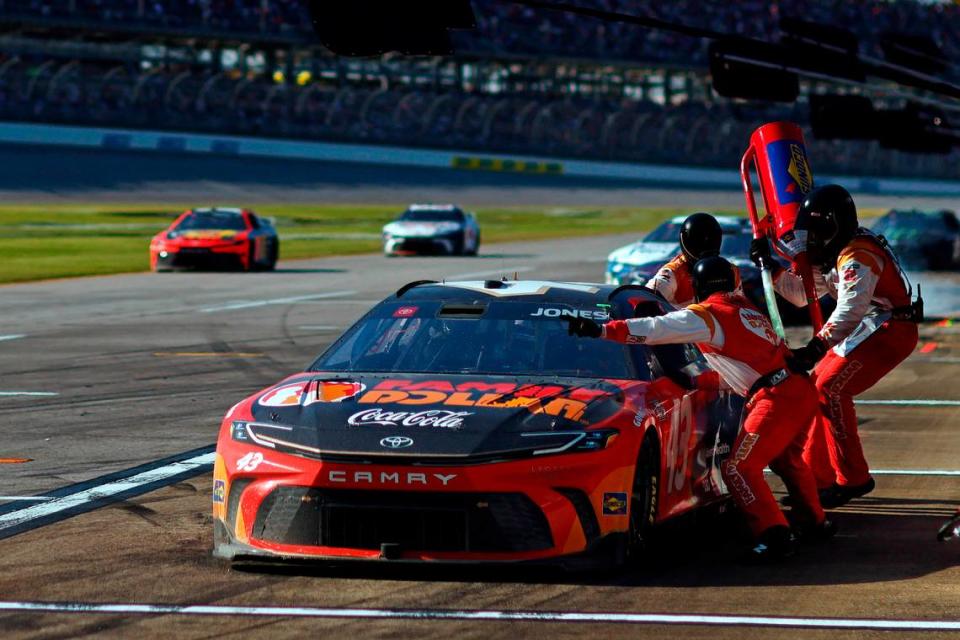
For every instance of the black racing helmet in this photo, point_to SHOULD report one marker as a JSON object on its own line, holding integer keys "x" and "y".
{"x": 700, "y": 236}
{"x": 713, "y": 274}
{"x": 829, "y": 217}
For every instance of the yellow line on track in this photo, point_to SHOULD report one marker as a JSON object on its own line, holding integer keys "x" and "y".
{"x": 14, "y": 460}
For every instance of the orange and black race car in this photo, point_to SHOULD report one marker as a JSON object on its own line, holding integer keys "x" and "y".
{"x": 461, "y": 422}
{"x": 216, "y": 239}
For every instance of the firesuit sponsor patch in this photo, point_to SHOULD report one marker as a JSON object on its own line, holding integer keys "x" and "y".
{"x": 219, "y": 491}
{"x": 737, "y": 483}
{"x": 615, "y": 504}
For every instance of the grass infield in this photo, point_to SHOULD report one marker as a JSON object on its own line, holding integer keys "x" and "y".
{"x": 57, "y": 241}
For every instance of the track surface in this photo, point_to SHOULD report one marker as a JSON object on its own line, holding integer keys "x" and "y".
{"x": 121, "y": 352}
{"x": 42, "y": 174}
{"x": 131, "y": 369}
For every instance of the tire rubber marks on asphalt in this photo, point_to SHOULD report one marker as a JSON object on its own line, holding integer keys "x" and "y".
{"x": 207, "y": 354}
{"x": 487, "y": 616}
{"x": 288, "y": 300}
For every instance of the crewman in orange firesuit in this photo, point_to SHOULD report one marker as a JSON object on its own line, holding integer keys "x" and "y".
{"x": 871, "y": 331}
{"x": 740, "y": 344}
{"x": 700, "y": 237}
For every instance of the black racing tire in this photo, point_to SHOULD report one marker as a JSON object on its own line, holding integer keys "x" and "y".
{"x": 476, "y": 247}
{"x": 644, "y": 500}
{"x": 274, "y": 254}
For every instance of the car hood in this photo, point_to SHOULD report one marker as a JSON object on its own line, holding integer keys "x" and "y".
{"x": 421, "y": 229}
{"x": 640, "y": 253}
{"x": 446, "y": 416}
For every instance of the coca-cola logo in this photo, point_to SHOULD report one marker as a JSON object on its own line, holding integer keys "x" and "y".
{"x": 437, "y": 418}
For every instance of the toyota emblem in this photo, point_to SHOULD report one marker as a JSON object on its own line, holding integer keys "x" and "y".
{"x": 396, "y": 442}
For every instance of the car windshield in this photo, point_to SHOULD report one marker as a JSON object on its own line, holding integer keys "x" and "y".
{"x": 198, "y": 221}
{"x": 667, "y": 232}
{"x": 431, "y": 215}
{"x": 500, "y": 337}
{"x": 907, "y": 223}
{"x": 736, "y": 245}
{"x": 735, "y": 242}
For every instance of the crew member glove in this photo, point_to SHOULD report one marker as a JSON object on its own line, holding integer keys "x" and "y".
{"x": 760, "y": 251}
{"x": 803, "y": 359}
{"x": 583, "y": 327}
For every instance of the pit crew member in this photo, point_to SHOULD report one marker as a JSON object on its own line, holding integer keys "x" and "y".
{"x": 700, "y": 237}
{"x": 740, "y": 344}
{"x": 872, "y": 330}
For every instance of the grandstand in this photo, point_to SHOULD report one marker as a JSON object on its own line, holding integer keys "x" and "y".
{"x": 521, "y": 84}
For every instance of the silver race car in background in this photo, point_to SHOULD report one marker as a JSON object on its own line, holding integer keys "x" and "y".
{"x": 432, "y": 229}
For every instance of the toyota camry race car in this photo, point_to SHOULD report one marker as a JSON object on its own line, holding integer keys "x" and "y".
{"x": 217, "y": 239}
{"x": 639, "y": 261}
{"x": 432, "y": 229}
{"x": 461, "y": 422}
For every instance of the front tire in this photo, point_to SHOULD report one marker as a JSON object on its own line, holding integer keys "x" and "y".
{"x": 476, "y": 246}
{"x": 644, "y": 500}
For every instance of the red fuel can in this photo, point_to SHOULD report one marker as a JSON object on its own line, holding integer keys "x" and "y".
{"x": 779, "y": 154}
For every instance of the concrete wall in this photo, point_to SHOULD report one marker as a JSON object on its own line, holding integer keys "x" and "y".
{"x": 659, "y": 175}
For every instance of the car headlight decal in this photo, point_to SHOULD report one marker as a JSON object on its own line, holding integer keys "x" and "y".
{"x": 579, "y": 442}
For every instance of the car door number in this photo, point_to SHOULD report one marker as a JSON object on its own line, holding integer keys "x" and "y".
{"x": 678, "y": 442}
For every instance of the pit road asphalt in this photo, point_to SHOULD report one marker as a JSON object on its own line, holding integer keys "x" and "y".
{"x": 144, "y": 366}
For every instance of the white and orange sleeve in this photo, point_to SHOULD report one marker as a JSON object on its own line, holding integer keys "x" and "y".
{"x": 858, "y": 273}
{"x": 664, "y": 283}
{"x": 693, "y": 324}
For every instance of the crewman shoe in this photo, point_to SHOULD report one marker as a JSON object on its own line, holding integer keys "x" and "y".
{"x": 773, "y": 545}
{"x": 840, "y": 494}
{"x": 817, "y": 533}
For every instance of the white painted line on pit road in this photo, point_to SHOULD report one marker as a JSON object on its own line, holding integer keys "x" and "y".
{"x": 489, "y": 616}
{"x": 13, "y": 336}
{"x": 43, "y": 394}
{"x": 99, "y": 492}
{"x": 25, "y": 498}
{"x": 911, "y": 403}
{"x": 914, "y": 472}
{"x": 263, "y": 303}
{"x": 506, "y": 272}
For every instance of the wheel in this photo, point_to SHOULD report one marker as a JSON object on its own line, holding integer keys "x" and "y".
{"x": 273, "y": 254}
{"x": 476, "y": 247}
{"x": 644, "y": 499}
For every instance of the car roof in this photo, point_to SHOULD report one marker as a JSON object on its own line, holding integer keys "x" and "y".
{"x": 919, "y": 212}
{"x": 474, "y": 291}
{"x": 728, "y": 223}
{"x": 228, "y": 210}
{"x": 433, "y": 207}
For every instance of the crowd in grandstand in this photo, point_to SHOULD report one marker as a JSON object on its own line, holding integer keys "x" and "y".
{"x": 180, "y": 98}
{"x": 531, "y": 112}
{"x": 506, "y": 27}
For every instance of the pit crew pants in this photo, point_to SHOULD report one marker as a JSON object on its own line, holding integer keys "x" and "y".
{"x": 833, "y": 450}
{"x": 774, "y": 430}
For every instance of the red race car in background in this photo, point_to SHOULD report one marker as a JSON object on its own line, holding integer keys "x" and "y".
{"x": 216, "y": 239}
{"x": 461, "y": 422}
